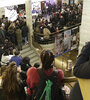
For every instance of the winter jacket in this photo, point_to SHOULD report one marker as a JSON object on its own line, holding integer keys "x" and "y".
{"x": 33, "y": 77}
{"x": 81, "y": 70}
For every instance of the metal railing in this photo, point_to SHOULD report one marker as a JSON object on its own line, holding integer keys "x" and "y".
{"x": 40, "y": 37}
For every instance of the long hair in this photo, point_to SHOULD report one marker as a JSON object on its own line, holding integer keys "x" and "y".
{"x": 47, "y": 58}
{"x": 10, "y": 81}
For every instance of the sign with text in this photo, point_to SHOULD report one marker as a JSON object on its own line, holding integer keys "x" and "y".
{"x": 67, "y": 40}
{"x": 74, "y": 38}
{"x": 58, "y": 44}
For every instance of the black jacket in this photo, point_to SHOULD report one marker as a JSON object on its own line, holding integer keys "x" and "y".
{"x": 24, "y": 68}
{"x": 24, "y": 31}
{"x": 81, "y": 70}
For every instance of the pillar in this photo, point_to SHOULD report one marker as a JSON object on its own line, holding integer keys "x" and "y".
{"x": 85, "y": 25}
{"x": 65, "y": 1}
{"x": 2, "y": 12}
{"x": 28, "y": 7}
{"x": 76, "y": 1}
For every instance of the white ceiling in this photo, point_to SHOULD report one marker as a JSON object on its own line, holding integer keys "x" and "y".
{"x": 4, "y": 3}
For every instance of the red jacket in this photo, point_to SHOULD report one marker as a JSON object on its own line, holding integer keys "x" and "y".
{"x": 33, "y": 77}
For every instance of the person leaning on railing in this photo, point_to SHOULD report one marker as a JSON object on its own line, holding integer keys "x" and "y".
{"x": 81, "y": 70}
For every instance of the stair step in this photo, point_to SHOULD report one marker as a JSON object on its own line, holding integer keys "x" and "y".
{"x": 25, "y": 46}
{"x": 27, "y": 53}
{"x": 34, "y": 60}
{"x": 25, "y": 50}
{"x": 33, "y": 55}
{"x": 34, "y": 63}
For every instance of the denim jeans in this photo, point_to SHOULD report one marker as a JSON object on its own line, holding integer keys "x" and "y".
{"x": 25, "y": 40}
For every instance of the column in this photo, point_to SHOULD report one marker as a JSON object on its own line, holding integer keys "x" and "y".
{"x": 2, "y": 11}
{"x": 76, "y": 1}
{"x": 28, "y": 6}
{"x": 85, "y": 25}
{"x": 65, "y": 1}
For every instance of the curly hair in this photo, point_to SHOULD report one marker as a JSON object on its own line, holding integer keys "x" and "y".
{"x": 10, "y": 81}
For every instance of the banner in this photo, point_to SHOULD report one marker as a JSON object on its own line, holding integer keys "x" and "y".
{"x": 58, "y": 44}
{"x": 11, "y": 13}
{"x": 75, "y": 38}
{"x": 67, "y": 40}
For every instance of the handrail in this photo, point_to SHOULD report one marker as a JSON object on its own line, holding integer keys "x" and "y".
{"x": 62, "y": 29}
{"x": 69, "y": 79}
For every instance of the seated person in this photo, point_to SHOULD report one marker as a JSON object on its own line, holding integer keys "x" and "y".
{"x": 16, "y": 58}
{"x": 6, "y": 58}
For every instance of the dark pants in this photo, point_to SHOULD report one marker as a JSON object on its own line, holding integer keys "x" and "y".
{"x": 28, "y": 97}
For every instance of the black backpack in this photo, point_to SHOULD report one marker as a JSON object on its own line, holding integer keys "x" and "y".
{"x": 55, "y": 92}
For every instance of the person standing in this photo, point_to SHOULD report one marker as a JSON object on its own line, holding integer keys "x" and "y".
{"x": 25, "y": 33}
{"x": 19, "y": 37}
{"x": 81, "y": 70}
{"x": 33, "y": 76}
{"x": 12, "y": 86}
{"x": 25, "y": 65}
{"x": 1, "y": 52}
{"x": 2, "y": 35}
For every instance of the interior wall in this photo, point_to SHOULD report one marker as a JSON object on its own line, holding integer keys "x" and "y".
{"x": 65, "y": 1}
{"x": 51, "y": 1}
{"x": 85, "y": 26}
{"x": 2, "y": 12}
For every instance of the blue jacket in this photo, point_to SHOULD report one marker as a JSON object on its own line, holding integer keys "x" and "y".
{"x": 16, "y": 59}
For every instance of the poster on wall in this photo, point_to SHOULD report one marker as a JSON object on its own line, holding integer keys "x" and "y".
{"x": 2, "y": 12}
{"x": 67, "y": 40}
{"x": 52, "y": 1}
{"x": 11, "y": 13}
{"x": 75, "y": 38}
{"x": 36, "y": 7}
{"x": 58, "y": 44}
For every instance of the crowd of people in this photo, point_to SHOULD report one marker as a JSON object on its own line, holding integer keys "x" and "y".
{"x": 20, "y": 80}
{"x": 27, "y": 83}
{"x": 57, "y": 16}
{"x": 17, "y": 83}
{"x": 13, "y": 35}
{"x": 15, "y": 32}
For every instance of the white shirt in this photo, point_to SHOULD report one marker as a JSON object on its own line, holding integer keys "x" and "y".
{"x": 6, "y": 59}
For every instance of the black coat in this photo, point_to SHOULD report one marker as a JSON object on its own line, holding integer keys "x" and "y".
{"x": 81, "y": 70}
{"x": 24, "y": 68}
{"x": 24, "y": 31}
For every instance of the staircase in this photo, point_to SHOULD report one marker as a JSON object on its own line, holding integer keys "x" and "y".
{"x": 31, "y": 53}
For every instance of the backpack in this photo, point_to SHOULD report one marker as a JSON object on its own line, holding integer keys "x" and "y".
{"x": 48, "y": 87}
